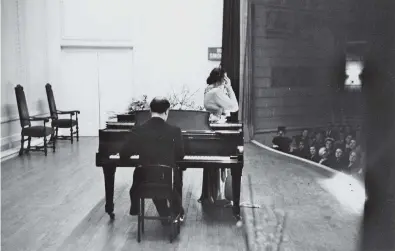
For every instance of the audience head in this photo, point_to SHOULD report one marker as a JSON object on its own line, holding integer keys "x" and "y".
{"x": 328, "y": 143}
{"x": 319, "y": 136}
{"x": 281, "y": 130}
{"x": 322, "y": 152}
{"x": 160, "y": 107}
{"x": 216, "y": 76}
{"x": 305, "y": 133}
{"x": 338, "y": 152}
{"x": 353, "y": 157}
{"x": 313, "y": 151}
{"x": 353, "y": 144}
{"x": 348, "y": 138}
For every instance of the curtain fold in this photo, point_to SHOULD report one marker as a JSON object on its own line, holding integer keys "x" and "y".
{"x": 231, "y": 45}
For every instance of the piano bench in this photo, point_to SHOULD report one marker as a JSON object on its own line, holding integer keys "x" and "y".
{"x": 156, "y": 191}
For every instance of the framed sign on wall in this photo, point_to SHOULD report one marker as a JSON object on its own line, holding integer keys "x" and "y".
{"x": 214, "y": 53}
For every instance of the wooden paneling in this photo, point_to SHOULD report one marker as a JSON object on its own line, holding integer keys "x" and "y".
{"x": 291, "y": 101}
{"x": 289, "y": 121}
{"x": 293, "y": 50}
{"x": 289, "y": 92}
{"x": 289, "y": 111}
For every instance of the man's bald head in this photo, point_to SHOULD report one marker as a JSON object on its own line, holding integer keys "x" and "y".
{"x": 159, "y": 105}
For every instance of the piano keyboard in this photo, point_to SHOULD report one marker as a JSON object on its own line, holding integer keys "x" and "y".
{"x": 211, "y": 125}
{"x": 121, "y": 123}
{"x": 226, "y": 125}
{"x": 187, "y": 157}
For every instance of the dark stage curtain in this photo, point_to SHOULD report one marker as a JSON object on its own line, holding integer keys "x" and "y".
{"x": 231, "y": 45}
{"x": 378, "y": 87}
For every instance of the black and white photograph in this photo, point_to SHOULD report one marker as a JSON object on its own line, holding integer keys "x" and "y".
{"x": 234, "y": 125}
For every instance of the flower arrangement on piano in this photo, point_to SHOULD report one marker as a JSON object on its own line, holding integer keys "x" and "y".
{"x": 138, "y": 104}
{"x": 183, "y": 100}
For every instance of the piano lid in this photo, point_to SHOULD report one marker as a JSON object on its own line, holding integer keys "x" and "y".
{"x": 187, "y": 120}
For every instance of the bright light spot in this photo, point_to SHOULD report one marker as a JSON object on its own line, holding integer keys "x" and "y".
{"x": 347, "y": 190}
{"x": 353, "y": 70}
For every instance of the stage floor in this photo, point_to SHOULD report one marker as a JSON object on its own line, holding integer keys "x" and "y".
{"x": 57, "y": 203}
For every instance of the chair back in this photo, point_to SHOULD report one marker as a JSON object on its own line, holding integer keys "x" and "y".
{"x": 22, "y": 106}
{"x": 51, "y": 101}
{"x": 157, "y": 181}
{"x": 157, "y": 174}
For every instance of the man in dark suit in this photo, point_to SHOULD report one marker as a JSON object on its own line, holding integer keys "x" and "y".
{"x": 281, "y": 142}
{"x": 156, "y": 142}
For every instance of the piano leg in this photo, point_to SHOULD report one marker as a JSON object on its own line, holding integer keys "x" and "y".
{"x": 236, "y": 184}
{"x": 109, "y": 178}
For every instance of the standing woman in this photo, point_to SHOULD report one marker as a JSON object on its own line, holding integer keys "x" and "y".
{"x": 220, "y": 100}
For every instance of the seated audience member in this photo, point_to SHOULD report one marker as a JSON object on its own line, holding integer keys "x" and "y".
{"x": 156, "y": 142}
{"x": 353, "y": 167}
{"x": 324, "y": 156}
{"x": 338, "y": 162}
{"x": 313, "y": 154}
{"x": 353, "y": 147}
{"x": 340, "y": 142}
{"x": 303, "y": 137}
{"x": 318, "y": 140}
{"x": 329, "y": 147}
{"x": 347, "y": 130}
{"x": 347, "y": 140}
{"x": 281, "y": 142}
{"x": 329, "y": 132}
{"x": 302, "y": 150}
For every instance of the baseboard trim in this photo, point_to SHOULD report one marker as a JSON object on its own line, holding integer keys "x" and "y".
{"x": 10, "y": 153}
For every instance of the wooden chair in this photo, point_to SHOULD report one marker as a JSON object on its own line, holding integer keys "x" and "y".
{"x": 157, "y": 183}
{"x": 28, "y": 131}
{"x": 62, "y": 123}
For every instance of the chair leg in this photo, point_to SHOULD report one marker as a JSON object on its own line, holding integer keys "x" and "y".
{"x": 139, "y": 226}
{"x": 45, "y": 146}
{"x": 22, "y": 143}
{"x": 57, "y": 133}
{"x": 171, "y": 227}
{"x": 71, "y": 134}
{"x": 53, "y": 141}
{"x": 78, "y": 132}
{"x": 143, "y": 214}
{"x": 29, "y": 139}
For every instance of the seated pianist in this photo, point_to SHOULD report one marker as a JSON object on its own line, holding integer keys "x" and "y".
{"x": 219, "y": 100}
{"x": 281, "y": 142}
{"x": 156, "y": 142}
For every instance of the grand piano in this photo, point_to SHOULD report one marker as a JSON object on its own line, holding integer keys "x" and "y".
{"x": 206, "y": 146}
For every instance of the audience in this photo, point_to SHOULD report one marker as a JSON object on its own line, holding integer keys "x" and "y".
{"x": 337, "y": 147}
{"x": 338, "y": 162}
{"x": 313, "y": 154}
{"x": 323, "y": 153}
{"x": 281, "y": 142}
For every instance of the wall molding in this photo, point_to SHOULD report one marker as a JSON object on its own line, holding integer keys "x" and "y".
{"x": 10, "y": 153}
{"x": 95, "y": 44}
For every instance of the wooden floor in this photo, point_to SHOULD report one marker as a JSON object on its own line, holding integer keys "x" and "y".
{"x": 57, "y": 203}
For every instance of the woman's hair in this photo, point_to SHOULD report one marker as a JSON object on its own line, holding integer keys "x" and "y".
{"x": 216, "y": 75}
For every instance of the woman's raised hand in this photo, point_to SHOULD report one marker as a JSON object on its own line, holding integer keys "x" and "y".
{"x": 227, "y": 80}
